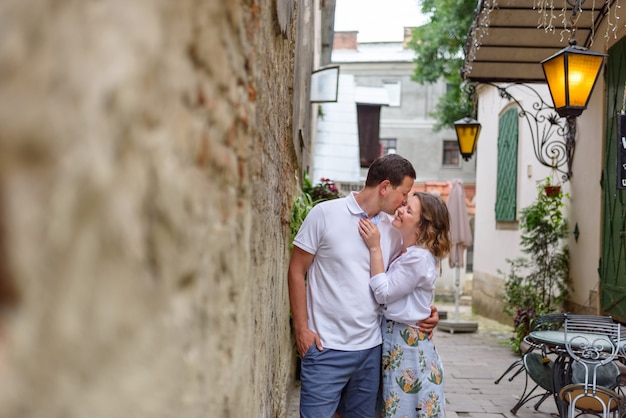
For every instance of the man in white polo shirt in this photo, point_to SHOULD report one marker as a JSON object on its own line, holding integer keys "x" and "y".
{"x": 336, "y": 318}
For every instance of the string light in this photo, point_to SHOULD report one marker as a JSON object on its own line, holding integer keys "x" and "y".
{"x": 546, "y": 19}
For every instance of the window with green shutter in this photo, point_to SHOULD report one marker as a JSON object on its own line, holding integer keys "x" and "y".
{"x": 506, "y": 190}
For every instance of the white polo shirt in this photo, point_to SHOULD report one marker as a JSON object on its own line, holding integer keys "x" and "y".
{"x": 341, "y": 307}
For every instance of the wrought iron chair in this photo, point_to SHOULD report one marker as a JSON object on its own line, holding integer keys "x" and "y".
{"x": 592, "y": 343}
{"x": 535, "y": 364}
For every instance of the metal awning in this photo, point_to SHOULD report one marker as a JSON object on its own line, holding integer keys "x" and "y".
{"x": 508, "y": 42}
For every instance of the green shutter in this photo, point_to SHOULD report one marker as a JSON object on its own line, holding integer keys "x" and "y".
{"x": 506, "y": 191}
{"x": 612, "y": 268}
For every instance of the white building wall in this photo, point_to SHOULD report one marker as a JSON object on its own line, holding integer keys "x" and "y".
{"x": 586, "y": 202}
{"x": 336, "y": 148}
{"x": 495, "y": 242}
{"x": 411, "y": 123}
{"x": 493, "y": 245}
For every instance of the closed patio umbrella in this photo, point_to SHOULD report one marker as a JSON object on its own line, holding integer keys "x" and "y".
{"x": 460, "y": 233}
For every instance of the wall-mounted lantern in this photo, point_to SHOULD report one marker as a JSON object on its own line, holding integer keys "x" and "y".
{"x": 467, "y": 131}
{"x": 571, "y": 74}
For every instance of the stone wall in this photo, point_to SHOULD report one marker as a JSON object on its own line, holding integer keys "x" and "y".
{"x": 146, "y": 174}
{"x": 488, "y": 297}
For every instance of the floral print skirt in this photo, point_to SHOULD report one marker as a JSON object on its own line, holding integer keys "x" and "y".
{"x": 412, "y": 373}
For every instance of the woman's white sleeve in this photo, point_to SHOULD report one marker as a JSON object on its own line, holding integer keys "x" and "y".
{"x": 408, "y": 273}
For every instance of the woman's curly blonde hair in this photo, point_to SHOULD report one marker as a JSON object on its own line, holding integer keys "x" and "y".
{"x": 434, "y": 225}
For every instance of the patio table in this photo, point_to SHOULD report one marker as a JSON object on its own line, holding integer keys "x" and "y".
{"x": 553, "y": 342}
{"x": 556, "y": 339}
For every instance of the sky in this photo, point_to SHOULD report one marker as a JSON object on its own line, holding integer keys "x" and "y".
{"x": 378, "y": 20}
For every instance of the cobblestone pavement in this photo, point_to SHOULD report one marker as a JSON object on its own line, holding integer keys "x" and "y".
{"x": 472, "y": 361}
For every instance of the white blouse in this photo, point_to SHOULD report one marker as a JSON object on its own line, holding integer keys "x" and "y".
{"x": 407, "y": 289}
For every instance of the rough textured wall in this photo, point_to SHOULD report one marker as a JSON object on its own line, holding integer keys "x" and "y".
{"x": 488, "y": 297}
{"x": 146, "y": 170}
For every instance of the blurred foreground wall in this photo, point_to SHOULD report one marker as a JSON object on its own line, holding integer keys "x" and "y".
{"x": 146, "y": 175}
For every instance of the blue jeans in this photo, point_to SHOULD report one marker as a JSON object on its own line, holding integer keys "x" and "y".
{"x": 329, "y": 377}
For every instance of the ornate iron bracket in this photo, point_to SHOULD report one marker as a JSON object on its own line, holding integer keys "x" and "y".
{"x": 553, "y": 137}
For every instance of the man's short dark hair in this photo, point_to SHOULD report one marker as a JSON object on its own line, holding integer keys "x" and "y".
{"x": 390, "y": 167}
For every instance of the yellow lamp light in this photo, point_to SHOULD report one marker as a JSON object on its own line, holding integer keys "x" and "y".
{"x": 467, "y": 131}
{"x": 571, "y": 74}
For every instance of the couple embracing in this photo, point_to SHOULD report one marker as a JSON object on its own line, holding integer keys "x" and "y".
{"x": 362, "y": 265}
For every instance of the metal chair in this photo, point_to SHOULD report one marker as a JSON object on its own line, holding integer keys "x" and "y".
{"x": 592, "y": 343}
{"x": 535, "y": 364}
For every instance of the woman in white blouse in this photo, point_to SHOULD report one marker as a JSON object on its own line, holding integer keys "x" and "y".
{"x": 412, "y": 369}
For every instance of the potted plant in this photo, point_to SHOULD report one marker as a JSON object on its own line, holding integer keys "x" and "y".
{"x": 552, "y": 191}
{"x": 538, "y": 283}
{"x": 551, "y": 185}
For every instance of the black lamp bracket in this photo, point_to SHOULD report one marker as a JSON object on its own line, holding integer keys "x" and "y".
{"x": 553, "y": 137}
{"x": 577, "y": 9}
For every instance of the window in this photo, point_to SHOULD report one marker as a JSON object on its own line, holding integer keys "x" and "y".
{"x": 388, "y": 146}
{"x": 506, "y": 188}
{"x": 451, "y": 154}
{"x": 368, "y": 119}
{"x": 393, "y": 92}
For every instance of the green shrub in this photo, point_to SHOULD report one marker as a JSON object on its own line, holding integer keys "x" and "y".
{"x": 308, "y": 197}
{"x": 539, "y": 283}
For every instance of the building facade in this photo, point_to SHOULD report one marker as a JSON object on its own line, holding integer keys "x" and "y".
{"x": 381, "y": 110}
{"x": 596, "y": 209}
